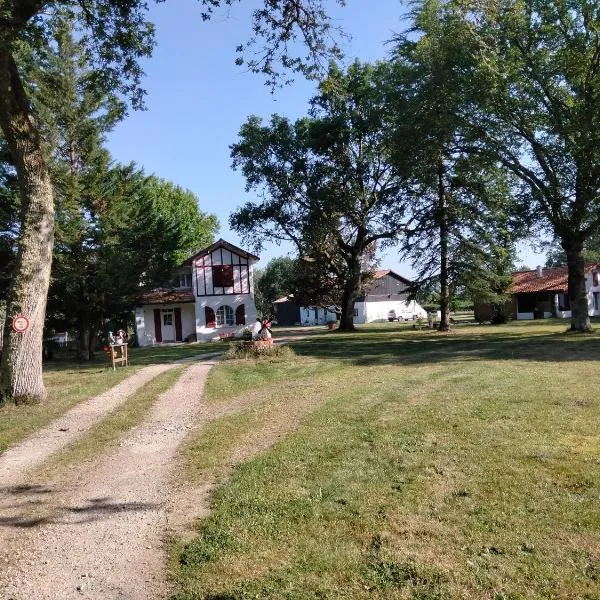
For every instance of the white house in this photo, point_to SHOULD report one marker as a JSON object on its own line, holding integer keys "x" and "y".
{"x": 212, "y": 296}
{"x": 386, "y": 291}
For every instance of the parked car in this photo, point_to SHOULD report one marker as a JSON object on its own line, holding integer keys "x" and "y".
{"x": 392, "y": 316}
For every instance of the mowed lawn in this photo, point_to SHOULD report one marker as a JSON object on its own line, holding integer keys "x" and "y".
{"x": 427, "y": 466}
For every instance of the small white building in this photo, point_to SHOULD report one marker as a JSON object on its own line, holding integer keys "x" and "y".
{"x": 386, "y": 292}
{"x": 212, "y": 296}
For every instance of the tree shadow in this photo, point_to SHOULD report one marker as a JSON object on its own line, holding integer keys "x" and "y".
{"x": 404, "y": 347}
{"x": 49, "y": 512}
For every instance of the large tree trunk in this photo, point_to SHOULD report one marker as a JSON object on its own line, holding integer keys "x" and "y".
{"x": 349, "y": 295}
{"x": 21, "y": 369}
{"x": 580, "y": 320}
{"x": 444, "y": 239}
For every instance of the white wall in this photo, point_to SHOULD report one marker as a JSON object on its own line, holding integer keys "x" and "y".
{"x": 312, "y": 315}
{"x": 207, "y": 333}
{"x": 378, "y": 311}
{"x": 144, "y": 321}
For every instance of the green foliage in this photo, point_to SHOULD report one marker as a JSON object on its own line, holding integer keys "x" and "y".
{"x": 328, "y": 184}
{"x": 273, "y": 282}
{"x": 117, "y": 231}
{"x": 464, "y": 215}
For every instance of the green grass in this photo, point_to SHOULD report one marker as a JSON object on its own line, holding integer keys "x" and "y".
{"x": 433, "y": 466}
{"x": 113, "y": 426}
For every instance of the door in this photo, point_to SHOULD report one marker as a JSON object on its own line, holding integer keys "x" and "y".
{"x": 168, "y": 325}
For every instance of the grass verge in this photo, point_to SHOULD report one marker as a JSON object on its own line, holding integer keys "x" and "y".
{"x": 467, "y": 471}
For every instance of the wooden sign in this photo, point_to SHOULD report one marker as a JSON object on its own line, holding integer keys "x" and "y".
{"x": 20, "y": 324}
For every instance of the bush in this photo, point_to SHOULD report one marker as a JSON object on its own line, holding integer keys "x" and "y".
{"x": 276, "y": 351}
{"x": 499, "y": 319}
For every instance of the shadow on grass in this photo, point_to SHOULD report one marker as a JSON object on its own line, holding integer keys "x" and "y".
{"x": 375, "y": 346}
{"x": 139, "y": 356}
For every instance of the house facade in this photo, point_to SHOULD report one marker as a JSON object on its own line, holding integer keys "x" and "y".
{"x": 387, "y": 291}
{"x": 212, "y": 296}
{"x": 543, "y": 293}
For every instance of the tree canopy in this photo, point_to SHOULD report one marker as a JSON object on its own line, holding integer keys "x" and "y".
{"x": 115, "y": 35}
{"x": 328, "y": 184}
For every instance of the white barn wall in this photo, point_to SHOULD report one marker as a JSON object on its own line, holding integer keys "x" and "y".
{"x": 378, "y": 311}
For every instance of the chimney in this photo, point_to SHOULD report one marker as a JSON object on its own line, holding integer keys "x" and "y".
{"x": 539, "y": 271}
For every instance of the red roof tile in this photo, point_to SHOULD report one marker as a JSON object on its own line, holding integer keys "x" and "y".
{"x": 166, "y": 297}
{"x": 553, "y": 279}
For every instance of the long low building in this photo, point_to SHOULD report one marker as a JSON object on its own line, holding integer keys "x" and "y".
{"x": 543, "y": 293}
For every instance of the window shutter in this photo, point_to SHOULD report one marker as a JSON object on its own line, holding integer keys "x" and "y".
{"x": 209, "y": 315}
{"x": 240, "y": 315}
{"x": 157, "y": 325}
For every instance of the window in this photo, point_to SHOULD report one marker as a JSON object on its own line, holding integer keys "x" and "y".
{"x": 167, "y": 318}
{"x": 596, "y": 300}
{"x": 224, "y": 315}
{"x": 356, "y": 312}
{"x": 596, "y": 278}
{"x": 183, "y": 280}
{"x": 563, "y": 302}
{"x": 222, "y": 276}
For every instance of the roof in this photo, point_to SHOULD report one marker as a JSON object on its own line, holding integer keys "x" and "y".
{"x": 553, "y": 279}
{"x": 220, "y": 243}
{"x": 380, "y": 274}
{"x": 383, "y": 273}
{"x": 166, "y": 297}
{"x": 284, "y": 299}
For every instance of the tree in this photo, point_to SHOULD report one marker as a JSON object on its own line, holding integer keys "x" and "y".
{"x": 460, "y": 201}
{"x": 537, "y": 111}
{"x": 275, "y": 281}
{"x": 326, "y": 180}
{"x": 117, "y": 35}
{"x": 128, "y": 234}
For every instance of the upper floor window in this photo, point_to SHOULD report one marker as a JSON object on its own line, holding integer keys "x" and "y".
{"x": 224, "y": 315}
{"x": 222, "y": 275}
{"x": 183, "y": 280}
{"x": 596, "y": 278}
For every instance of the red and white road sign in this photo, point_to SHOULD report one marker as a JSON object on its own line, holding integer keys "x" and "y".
{"x": 20, "y": 324}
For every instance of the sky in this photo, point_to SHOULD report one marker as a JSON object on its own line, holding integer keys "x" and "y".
{"x": 197, "y": 99}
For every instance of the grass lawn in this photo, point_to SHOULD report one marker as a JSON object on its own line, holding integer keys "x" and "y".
{"x": 69, "y": 382}
{"x": 461, "y": 465}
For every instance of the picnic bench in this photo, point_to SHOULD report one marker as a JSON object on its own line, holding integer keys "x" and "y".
{"x": 116, "y": 354}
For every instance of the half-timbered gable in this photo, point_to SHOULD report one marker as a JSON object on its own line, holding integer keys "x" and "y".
{"x": 220, "y": 283}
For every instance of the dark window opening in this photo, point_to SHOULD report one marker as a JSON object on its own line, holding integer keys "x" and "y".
{"x": 222, "y": 275}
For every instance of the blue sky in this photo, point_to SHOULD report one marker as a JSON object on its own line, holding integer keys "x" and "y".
{"x": 197, "y": 99}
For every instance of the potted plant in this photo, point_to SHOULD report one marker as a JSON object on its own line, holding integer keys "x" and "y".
{"x": 247, "y": 334}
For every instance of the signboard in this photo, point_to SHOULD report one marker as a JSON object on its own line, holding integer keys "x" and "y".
{"x": 20, "y": 324}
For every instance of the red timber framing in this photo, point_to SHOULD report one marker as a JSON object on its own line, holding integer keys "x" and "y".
{"x": 232, "y": 267}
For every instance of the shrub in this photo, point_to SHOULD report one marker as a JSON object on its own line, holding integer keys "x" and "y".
{"x": 276, "y": 352}
{"x": 499, "y": 319}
